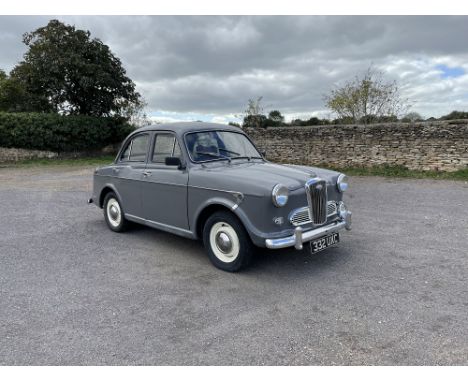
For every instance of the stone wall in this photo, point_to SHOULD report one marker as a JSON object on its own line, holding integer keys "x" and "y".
{"x": 436, "y": 145}
{"x": 16, "y": 155}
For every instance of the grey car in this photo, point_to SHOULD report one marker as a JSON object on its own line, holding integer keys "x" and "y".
{"x": 208, "y": 181}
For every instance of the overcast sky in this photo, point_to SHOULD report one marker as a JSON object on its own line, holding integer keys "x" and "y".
{"x": 207, "y": 67}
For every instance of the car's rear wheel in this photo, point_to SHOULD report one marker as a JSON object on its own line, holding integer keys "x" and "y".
{"x": 113, "y": 213}
{"x": 226, "y": 241}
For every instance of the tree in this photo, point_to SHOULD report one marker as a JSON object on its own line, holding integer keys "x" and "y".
{"x": 13, "y": 95}
{"x": 66, "y": 71}
{"x": 366, "y": 99}
{"x": 254, "y": 116}
{"x": 276, "y": 116}
{"x": 455, "y": 115}
{"x": 412, "y": 117}
{"x": 312, "y": 121}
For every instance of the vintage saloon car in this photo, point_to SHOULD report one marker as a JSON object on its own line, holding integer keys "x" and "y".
{"x": 208, "y": 181}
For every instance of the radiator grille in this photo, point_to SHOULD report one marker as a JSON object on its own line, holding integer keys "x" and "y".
{"x": 316, "y": 190}
{"x": 301, "y": 215}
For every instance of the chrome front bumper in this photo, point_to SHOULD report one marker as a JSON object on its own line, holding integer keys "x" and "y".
{"x": 299, "y": 237}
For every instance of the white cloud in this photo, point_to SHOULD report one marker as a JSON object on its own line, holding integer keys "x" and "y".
{"x": 207, "y": 67}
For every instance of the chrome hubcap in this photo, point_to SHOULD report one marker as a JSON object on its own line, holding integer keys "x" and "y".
{"x": 114, "y": 213}
{"x": 223, "y": 242}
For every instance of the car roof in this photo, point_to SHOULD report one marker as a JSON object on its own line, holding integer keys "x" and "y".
{"x": 184, "y": 127}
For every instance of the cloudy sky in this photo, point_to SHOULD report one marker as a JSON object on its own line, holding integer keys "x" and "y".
{"x": 208, "y": 67}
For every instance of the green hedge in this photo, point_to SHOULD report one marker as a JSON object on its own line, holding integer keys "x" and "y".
{"x": 59, "y": 133}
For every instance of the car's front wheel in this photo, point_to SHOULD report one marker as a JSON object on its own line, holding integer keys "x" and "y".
{"x": 226, "y": 241}
{"x": 113, "y": 213}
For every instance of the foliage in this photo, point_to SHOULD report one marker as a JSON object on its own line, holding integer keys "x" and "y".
{"x": 455, "y": 115}
{"x": 313, "y": 121}
{"x": 235, "y": 124}
{"x": 275, "y": 118}
{"x": 253, "y": 115}
{"x": 59, "y": 133}
{"x": 412, "y": 117}
{"x": 366, "y": 98}
{"x": 13, "y": 95}
{"x": 66, "y": 71}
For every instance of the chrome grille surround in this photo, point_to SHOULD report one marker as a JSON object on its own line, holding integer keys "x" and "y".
{"x": 300, "y": 216}
{"x": 316, "y": 191}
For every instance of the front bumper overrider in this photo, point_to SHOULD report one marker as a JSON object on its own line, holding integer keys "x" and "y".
{"x": 299, "y": 237}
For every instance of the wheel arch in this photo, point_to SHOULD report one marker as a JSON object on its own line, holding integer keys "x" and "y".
{"x": 105, "y": 190}
{"x": 208, "y": 210}
{"x": 220, "y": 204}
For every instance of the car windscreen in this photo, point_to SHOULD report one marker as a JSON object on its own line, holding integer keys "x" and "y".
{"x": 216, "y": 145}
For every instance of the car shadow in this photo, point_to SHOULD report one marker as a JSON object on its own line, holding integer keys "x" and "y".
{"x": 291, "y": 260}
{"x": 278, "y": 261}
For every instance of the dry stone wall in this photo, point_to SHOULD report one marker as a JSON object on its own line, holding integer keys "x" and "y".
{"x": 436, "y": 145}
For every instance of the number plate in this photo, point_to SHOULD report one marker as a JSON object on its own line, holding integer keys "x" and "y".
{"x": 320, "y": 244}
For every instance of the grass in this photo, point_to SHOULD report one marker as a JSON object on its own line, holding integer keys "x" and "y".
{"x": 403, "y": 172}
{"x": 387, "y": 171}
{"x": 91, "y": 161}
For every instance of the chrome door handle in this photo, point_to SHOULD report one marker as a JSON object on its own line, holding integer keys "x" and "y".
{"x": 146, "y": 173}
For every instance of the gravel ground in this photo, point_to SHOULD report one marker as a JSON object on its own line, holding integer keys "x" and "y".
{"x": 394, "y": 292}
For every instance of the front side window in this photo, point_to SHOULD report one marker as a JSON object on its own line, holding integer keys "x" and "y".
{"x": 215, "y": 145}
{"x": 165, "y": 145}
{"x": 136, "y": 149}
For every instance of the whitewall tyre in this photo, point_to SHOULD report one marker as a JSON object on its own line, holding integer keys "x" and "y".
{"x": 113, "y": 213}
{"x": 227, "y": 243}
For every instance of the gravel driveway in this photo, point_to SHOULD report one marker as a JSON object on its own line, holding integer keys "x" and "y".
{"x": 395, "y": 291}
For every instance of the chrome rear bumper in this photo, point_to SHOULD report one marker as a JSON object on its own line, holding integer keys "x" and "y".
{"x": 299, "y": 237}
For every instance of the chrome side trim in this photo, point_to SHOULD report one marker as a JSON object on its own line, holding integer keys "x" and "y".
{"x": 299, "y": 237}
{"x": 161, "y": 226}
{"x": 215, "y": 189}
{"x": 238, "y": 196}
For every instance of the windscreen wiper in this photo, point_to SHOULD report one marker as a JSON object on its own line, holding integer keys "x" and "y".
{"x": 228, "y": 151}
{"x": 216, "y": 156}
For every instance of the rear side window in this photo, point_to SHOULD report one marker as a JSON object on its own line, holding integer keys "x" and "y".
{"x": 136, "y": 149}
{"x": 165, "y": 145}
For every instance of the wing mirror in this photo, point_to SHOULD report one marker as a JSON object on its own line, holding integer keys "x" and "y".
{"x": 174, "y": 161}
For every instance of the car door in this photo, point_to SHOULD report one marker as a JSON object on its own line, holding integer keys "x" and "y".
{"x": 128, "y": 172}
{"x": 164, "y": 188}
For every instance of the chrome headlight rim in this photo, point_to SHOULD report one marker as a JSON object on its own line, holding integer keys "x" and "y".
{"x": 280, "y": 195}
{"x": 342, "y": 183}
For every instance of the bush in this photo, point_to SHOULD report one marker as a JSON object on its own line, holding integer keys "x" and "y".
{"x": 59, "y": 133}
{"x": 455, "y": 115}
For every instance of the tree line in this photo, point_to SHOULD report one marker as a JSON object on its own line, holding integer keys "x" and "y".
{"x": 363, "y": 100}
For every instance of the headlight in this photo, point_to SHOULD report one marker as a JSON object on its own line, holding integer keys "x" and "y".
{"x": 280, "y": 195}
{"x": 342, "y": 183}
